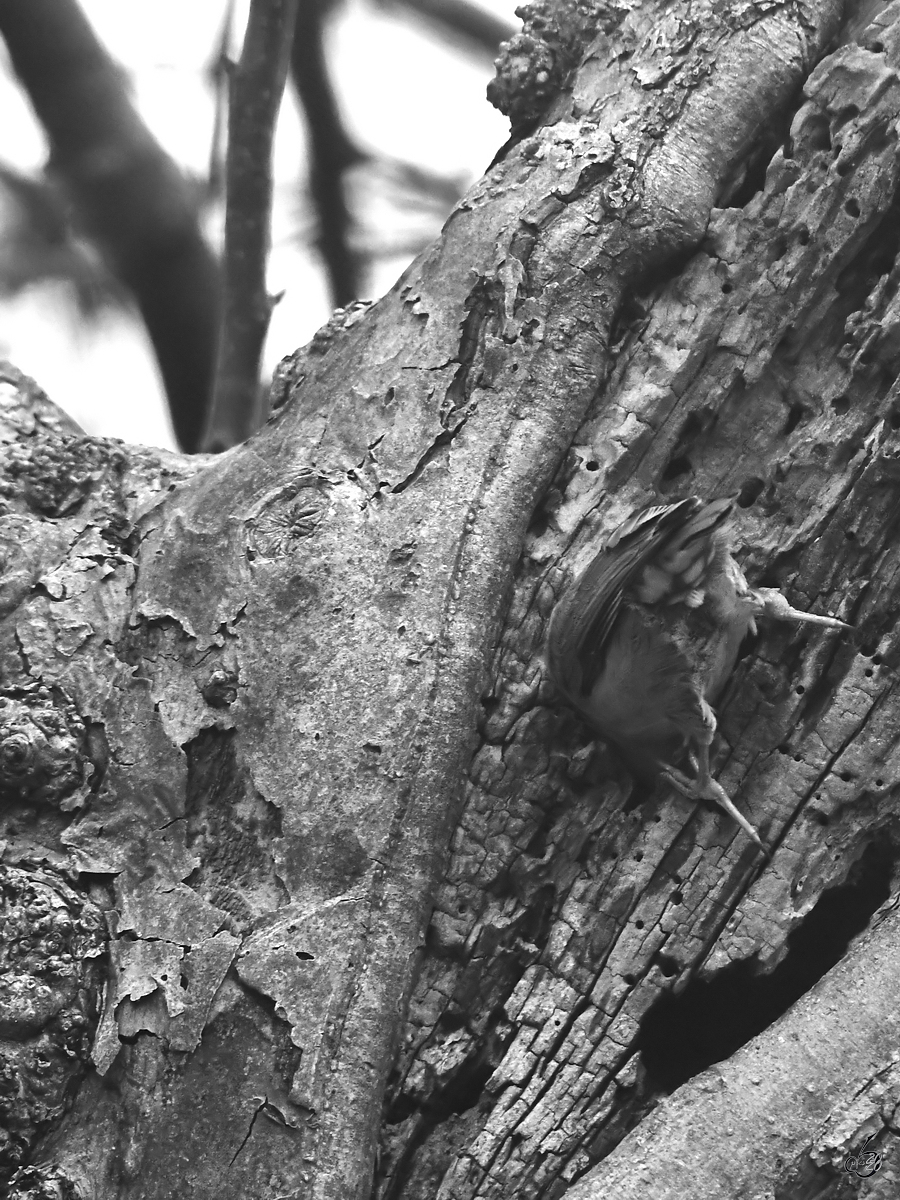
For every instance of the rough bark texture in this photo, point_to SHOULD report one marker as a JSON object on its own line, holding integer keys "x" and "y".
{"x": 249, "y": 686}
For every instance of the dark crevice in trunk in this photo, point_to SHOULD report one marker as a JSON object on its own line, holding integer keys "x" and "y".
{"x": 711, "y": 1019}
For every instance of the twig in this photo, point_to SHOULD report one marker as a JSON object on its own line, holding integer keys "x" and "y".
{"x": 470, "y": 21}
{"x": 257, "y": 85}
{"x": 331, "y": 152}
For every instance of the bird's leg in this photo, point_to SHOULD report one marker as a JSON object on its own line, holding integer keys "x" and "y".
{"x": 704, "y": 787}
{"x": 769, "y": 602}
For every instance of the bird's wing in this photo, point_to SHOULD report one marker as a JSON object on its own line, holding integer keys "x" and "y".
{"x": 683, "y": 563}
{"x": 584, "y": 618}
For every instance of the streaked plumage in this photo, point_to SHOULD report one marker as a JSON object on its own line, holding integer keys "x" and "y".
{"x": 643, "y": 642}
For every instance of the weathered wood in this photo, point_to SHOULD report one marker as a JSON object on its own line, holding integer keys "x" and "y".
{"x": 269, "y": 664}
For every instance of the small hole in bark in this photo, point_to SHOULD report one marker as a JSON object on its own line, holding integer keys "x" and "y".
{"x": 639, "y": 924}
{"x": 840, "y": 404}
{"x": 678, "y": 898}
{"x": 667, "y": 965}
{"x": 803, "y": 235}
{"x": 465, "y": 1089}
{"x": 403, "y": 1107}
{"x": 818, "y": 133}
{"x": 750, "y": 491}
{"x": 875, "y": 47}
{"x": 851, "y": 208}
{"x": 800, "y": 689}
{"x": 629, "y": 979}
{"x": 876, "y": 659}
{"x": 794, "y": 417}
{"x": 449, "y": 1022}
{"x": 304, "y": 955}
{"x": 879, "y": 783}
{"x": 868, "y": 672}
{"x": 680, "y": 465}
{"x": 537, "y": 845}
{"x": 540, "y": 522}
{"x": 726, "y": 288}
{"x": 842, "y": 168}
{"x": 639, "y": 856}
{"x": 593, "y": 465}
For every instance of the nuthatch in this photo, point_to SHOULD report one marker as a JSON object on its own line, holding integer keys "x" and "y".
{"x": 646, "y": 638}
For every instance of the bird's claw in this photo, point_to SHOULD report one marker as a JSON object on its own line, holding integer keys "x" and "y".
{"x": 697, "y": 789}
{"x": 769, "y": 602}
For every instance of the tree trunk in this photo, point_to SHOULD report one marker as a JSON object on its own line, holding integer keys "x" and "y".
{"x": 280, "y": 761}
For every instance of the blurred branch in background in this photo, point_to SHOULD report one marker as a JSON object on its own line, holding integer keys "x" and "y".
{"x": 405, "y": 205}
{"x": 38, "y": 244}
{"x": 332, "y": 152}
{"x": 113, "y": 209}
{"x": 257, "y": 85}
{"x": 474, "y": 24}
{"x": 344, "y": 179}
{"x": 218, "y": 75}
{"x": 128, "y": 196}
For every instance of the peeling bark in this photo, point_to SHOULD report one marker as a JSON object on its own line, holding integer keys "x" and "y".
{"x": 358, "y": 922}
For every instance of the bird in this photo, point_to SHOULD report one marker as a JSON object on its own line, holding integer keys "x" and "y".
{"x": 642, "y": 643}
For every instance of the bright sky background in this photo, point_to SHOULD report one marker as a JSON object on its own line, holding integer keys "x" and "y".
{"x": 403, "y": 93}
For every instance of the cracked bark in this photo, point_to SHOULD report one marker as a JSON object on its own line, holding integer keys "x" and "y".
{"x": 346, "y": 903}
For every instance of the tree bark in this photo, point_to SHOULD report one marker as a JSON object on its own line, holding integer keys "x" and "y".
{"x": 376, "y": 905}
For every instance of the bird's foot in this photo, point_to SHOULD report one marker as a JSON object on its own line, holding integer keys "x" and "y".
{"x": 769, "y": 602}
{"x": 709, "y": 789}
